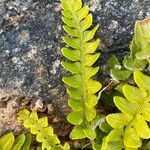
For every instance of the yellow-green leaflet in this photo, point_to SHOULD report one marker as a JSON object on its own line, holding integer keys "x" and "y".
{"x": 8, "y": 142}
{"x": 81, "y": 53}
{"x": 27, "y": 143}
{"x": 18, "y": 142}
{"x": 131, "y": 124}
{"x": 44, "y": 133}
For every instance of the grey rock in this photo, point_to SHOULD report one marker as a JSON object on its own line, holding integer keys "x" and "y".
{"x": 23, "y": 37}
{"x": 30, "y": 43}
{"x": 2, "y": 8}
{"x": 1, "y": 20}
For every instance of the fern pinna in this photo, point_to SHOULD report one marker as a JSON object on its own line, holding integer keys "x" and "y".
{"x": 132, "y": 125}
{"x": 81, "y": 54}
{"x": 22, "y": 142}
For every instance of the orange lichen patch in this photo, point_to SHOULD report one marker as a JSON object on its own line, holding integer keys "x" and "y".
{"x": 15, "y": 20}
{"x": 145, "y": 21}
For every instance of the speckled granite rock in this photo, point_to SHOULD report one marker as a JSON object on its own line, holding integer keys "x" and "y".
{"x": 30, "y": 42}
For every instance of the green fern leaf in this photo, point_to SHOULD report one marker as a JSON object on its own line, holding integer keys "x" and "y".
{"x": 115, "y": 145}
{"x": 72, "y": 67}
{"x": 39, "y": 127}
{"x": 27, "y": 143}
{"x": 70, "y": 31}
{"x": 140, "y": 46}
{"x": 91, "y": 101}
{"x": 23, "y": 115}
{"x": 90, "y": 47}
{"x": 73, "y": 81}
{"x": 90, "y": 72}
{"x": 76, "y": 105}
{"x": 120, "y": 74}
{"x": 73, "y": 55}
{"x": 117, "y": 71}
{"x": 89, "y": 35}
{"x": 7, "y": 141}
{"x": 93, "y": 86}
{"x": 67, "y": 14}
{"x": 75, "y": 93}
{"x": 132, "y": 63}
{"x": 19, "y": 141}
{"x": 82, "y": 56}
{"x": 135, "y": 108}
{"x": 78, "y": 132}
{"x": 87, "y": 22}
{"x": 46, "y": 145}
{"x": 90, "y": 113}
{"x": 90, "y": 133}
{"x": 143, "y": 39}
{"x": 90, "y": 59}
{"x": 142, "y": 80}
{"x": 69, "y": 22}
{"x": 83, "y": 12}
{"x": 113, "y": 141}
{"x": 75, "y": 117}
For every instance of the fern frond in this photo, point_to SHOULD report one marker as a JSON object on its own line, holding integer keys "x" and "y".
{"x": 140, "y": 46}
{"x": 81, "y": 51}
{"x": 8, "y": 142}
{"x": 131, "y": 126}
{"x": 39, "y": 127}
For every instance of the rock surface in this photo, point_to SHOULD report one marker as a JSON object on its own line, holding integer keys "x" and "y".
{"x": 30, "y": 42}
